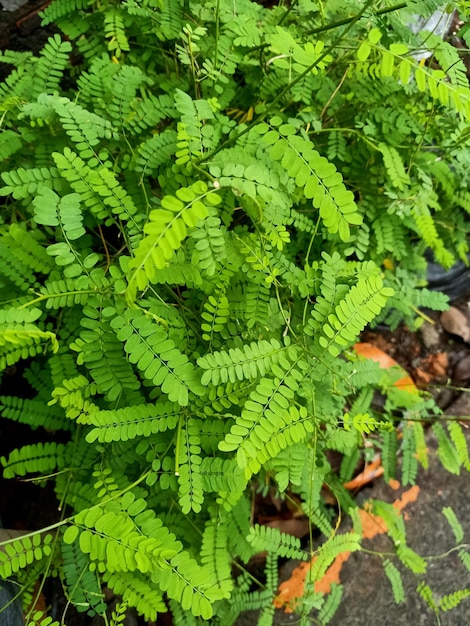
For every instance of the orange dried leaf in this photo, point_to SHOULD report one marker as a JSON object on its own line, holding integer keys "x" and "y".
{"x": 372, "y": 525}
{"x": 332, "y": 574}
{"x": 369, "y": 473}
{"x": 292, "y": 589}
{"x": 369, "y": 351}
{"x": 407, "y": 498}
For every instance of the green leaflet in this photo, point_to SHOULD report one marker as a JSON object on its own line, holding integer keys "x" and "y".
{"x": 130, "y": 550}
{"x": 395, "y": 168}
{"x": 395, "y": 61}
{"x": 136, "y": 590}
{"x": 102, "y": 353}
{"x": 267, "y": 423}
{"x": 318, "y": 178}
{"x": 215, "y": 557}
{"x": 188, "y": 465}
{"x": 394, "y": 576}
{"x": 362, "y": 303}
{"x": 23, "y": 551}
{"x": 51, "y": 210}
{"x": 50, "y": 66}
{"x": 82, "y": 583}
{"x": 165, "y": 231}
{"x": 248, "y": 362}
{"x": 156, "y": 356}
{"x": 331, "y": 604}
{"x": 35, "y": 458}
{"x": 32, "y": 412}
{"x": 20, "y": 337}
{"x": 215, "y": 317}
{"x": 273, "y": 540}
{"x": 454, "y": 523}
{"x": 130, "y": 422}
{"x": 338, "y": 544}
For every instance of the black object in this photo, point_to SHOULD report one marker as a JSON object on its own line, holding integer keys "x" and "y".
{"x": 11, "y": 613}
{"x": 454, "y": 282}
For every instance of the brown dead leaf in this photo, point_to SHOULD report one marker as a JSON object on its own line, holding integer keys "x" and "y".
{"x": 295, "y": 527}
{"x": 422, "y": 377}
{"x": 439, "y": 364}
{"x": 369, "y": 351}
{"x": 370, "y": 472}
{"x": 431, "y": 367}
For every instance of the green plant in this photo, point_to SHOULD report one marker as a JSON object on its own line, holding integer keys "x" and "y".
{"x": 203, "y": 207}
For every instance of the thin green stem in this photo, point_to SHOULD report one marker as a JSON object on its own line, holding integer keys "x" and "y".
{"x": 177, "y": 445}
{"x": 49, "y": 296}
{"x": 351, "y": 131}
{"x": 292, "y": 6}
{"x": 349, "y": 20}
{"x": 217, "y": 35}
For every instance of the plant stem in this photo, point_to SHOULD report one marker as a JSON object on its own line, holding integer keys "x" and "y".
{"x": 349, "y": 20}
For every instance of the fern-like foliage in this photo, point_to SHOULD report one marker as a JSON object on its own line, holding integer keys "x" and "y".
{"x": 156, "y": 355}
{"x": 131, "y": 422}
{"x": 200, "y": 212}
{"x": 267, "y": 423}
{"x": 271, "y": 539}
{"x": 454, "y": 523}
{"x": 82, "y": 583}
{"x": 50, "y": 66}
{"x": 394, "y": 576}
{"x": 24, "y": 551}
{"x": 165, "y": 231}
{"x": 215, "y": 557}
{"x": 348, "y": 542}
{"x": 32, "y": 412}
{"x": 248, "y": 362}
{"x": 317, "y": 178}
{"x": 61, "y": 8}
{"x": 101, "y": 351}
{"x": 361, "y": 304}
{"x": 20, "y": 337}
{"x": 42, "y": 458}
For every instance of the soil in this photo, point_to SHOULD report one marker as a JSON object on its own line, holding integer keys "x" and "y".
{"x": 20, "y": 28}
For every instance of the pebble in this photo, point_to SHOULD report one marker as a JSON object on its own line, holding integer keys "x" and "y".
{"x": 455, "y": 322}
{"x": 429, "y": 335}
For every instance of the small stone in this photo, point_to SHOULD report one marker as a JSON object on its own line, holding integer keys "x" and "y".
{"x": 455, "y": 322}
{"x": 429, "y": 335}
{"x": 462, "y": 370}
{"x": 13, "y": 5}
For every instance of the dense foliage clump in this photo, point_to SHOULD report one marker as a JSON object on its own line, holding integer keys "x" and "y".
{"x": 203, "y": 204}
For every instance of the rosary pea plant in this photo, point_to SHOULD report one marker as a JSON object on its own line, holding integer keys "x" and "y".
{"x": 203, "y": 204}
